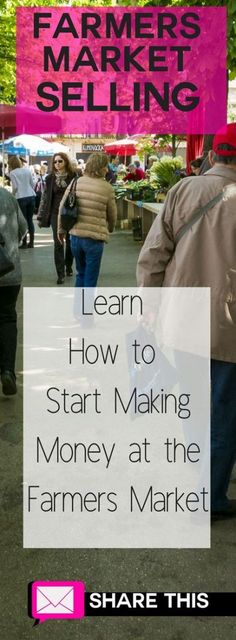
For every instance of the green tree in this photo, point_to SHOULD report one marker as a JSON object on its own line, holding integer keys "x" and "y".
{"x": 231, "y": 23}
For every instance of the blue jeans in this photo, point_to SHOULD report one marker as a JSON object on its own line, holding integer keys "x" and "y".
{"x": 88, "y": 254}
{"x": 223, "y": 430}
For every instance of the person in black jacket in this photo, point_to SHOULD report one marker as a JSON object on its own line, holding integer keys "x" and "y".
{"x": 55, "y": 185}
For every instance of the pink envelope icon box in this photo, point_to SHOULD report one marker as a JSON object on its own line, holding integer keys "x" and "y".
{"x": 57, "y": 600}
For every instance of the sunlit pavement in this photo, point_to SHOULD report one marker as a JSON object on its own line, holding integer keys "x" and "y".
{"x": 109, "y": 570}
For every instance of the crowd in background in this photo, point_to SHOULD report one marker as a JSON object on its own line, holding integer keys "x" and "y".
{"x": 41, "y": 190}
{"x": 134, "y": 171}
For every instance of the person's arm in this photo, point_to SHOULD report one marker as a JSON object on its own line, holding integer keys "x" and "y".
{"x": 158, "y": 248}
{"x": 111, "y": 211}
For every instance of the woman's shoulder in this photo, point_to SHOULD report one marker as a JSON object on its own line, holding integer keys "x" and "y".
{"x": 96, "y": 183}
{"x": 20, "y": 173}
{"x": 26, "y": 171}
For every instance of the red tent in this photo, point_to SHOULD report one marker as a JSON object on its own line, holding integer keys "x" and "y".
{"x": 7, "y": 120}
{"x": 194, "y": 147}
{"x": 125, "y": 147}
{"x": 7, "y": 125}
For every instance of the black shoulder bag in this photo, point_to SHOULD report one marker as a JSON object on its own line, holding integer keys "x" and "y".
{"x": 70, "y": 211}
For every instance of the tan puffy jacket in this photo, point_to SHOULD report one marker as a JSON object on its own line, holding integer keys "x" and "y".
{"x": 206, "y": 254}
{"x": 96, "y": 207}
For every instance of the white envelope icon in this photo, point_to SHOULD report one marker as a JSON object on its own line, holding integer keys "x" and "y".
{"x": 55, "y": 600}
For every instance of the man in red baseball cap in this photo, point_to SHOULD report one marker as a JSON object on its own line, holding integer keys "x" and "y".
{"x": 193, "y": 243}
{"x": 224, "y": 143}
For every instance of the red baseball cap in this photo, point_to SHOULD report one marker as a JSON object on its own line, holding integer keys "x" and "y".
{"x": 225, "y": 135}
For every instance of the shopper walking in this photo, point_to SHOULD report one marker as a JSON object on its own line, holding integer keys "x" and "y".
{"x": 23, "y": 189}
{"x": 13, "y": 227}
{"x": 205, "y": 256}
{"x": 96, "y": 218}
{"x": 56, "y": 184}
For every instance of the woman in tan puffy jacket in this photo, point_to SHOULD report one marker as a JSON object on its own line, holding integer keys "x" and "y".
{"x": 96, "y": 218}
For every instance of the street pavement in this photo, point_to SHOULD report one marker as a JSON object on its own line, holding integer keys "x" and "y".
{"x": 102, "y": 570}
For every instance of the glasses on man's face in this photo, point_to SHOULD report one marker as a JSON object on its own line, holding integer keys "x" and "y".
{"x": 58, "y": 161}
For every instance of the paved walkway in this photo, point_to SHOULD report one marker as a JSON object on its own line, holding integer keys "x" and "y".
{"x": 117, "y": 269}
{"x": 108, "y": 570}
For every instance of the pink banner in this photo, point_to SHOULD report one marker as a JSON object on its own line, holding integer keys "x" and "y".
{"x": 121, "y": 70}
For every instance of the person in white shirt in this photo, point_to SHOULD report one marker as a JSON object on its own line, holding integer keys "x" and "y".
{"x": 23, "y": 189}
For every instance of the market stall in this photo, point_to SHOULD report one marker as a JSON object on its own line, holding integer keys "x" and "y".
{"x": 141, "y": 215}
{"x": 139, "y": 201}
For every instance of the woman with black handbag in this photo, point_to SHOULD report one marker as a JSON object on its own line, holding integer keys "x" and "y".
{"x": 95, "y": 219}
{"x": 56, "y": 184}
{"x": 13, "y": 228}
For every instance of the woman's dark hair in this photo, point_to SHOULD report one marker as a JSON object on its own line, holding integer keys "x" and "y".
{"x": 68, "y": 166}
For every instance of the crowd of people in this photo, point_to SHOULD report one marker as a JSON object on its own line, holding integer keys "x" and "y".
{"x": 131, "y": 172}
{"x": 190, "y": 244}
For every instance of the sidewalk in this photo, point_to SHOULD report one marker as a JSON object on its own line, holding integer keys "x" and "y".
{"x": 108, "y": 570}
{"x": 117, "y": 269}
